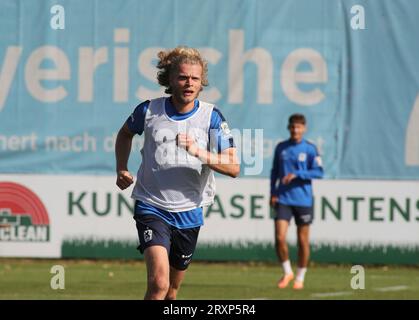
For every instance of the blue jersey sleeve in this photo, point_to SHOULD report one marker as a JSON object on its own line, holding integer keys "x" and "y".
{"x": 275, "y": 172}
{"x": 135, "y": 121}
{"x": 219, "y": 135}
{"x": 314, "y": 166}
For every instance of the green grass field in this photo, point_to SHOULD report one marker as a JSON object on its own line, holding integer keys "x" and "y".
{"x": 118, "y": 279}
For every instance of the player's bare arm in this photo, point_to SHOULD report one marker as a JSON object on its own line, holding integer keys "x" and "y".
{"x": 122, "y": 151}
{"x": 225, "y": 162}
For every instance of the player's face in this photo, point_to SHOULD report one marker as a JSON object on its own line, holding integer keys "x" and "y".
{"x": 186, "y": 83}
{"x": 297, "y": 131}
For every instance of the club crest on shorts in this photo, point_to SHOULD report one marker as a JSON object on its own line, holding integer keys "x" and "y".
{"x": 306, "y": 218}
{"x": 148, "y": 235}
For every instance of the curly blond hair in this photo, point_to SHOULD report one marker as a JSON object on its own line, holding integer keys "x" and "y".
{"x": 171, "y": 59}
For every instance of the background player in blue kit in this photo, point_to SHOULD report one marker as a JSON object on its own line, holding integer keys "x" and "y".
{"x": 185, "y": 139}
{"x": 296, "y": 163}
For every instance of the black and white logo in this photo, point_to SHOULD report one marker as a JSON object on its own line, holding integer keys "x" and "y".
{"x": 187, "y": 257}
{"x": 148, "y": 235}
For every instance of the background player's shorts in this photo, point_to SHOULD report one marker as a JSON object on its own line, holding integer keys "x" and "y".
{"x": 179, "y": 243}
{"x": 302, "y": 215}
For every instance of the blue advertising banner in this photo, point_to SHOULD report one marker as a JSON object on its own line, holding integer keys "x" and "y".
{"x": 71, "y": 72}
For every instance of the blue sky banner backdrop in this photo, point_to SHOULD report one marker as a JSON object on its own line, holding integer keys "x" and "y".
{"x": 70, "y": 76}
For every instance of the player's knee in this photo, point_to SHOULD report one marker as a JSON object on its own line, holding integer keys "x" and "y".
{"x": 281, "y": 240}
{"x": 303, "y": 241}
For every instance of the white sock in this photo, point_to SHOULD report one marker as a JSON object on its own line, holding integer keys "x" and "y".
{"x": 301, "y": 272}
{"x": 286, "y": 265}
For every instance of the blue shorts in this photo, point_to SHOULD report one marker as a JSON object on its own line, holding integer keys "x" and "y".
{"x": 179, "y": 243}
{"x": 302, "y": 215}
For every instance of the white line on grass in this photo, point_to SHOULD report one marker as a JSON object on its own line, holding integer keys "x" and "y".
{"x": 394, "y": 288}
{"x": 345, "y": 293}
{"x": 331, "y": 294}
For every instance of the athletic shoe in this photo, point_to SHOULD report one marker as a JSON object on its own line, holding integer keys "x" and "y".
{"x": 298, "y": 285}
{"x": 285, "y": 280}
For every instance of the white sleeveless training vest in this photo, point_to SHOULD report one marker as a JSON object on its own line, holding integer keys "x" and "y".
{"x": 169, "y": 178}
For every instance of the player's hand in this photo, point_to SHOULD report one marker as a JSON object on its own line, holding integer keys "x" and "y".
{"x": 124, "y": 179}
{"x": 274, "y": 201}
{"x": 188, "y": 143}
{"x": 288, "y": 178}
